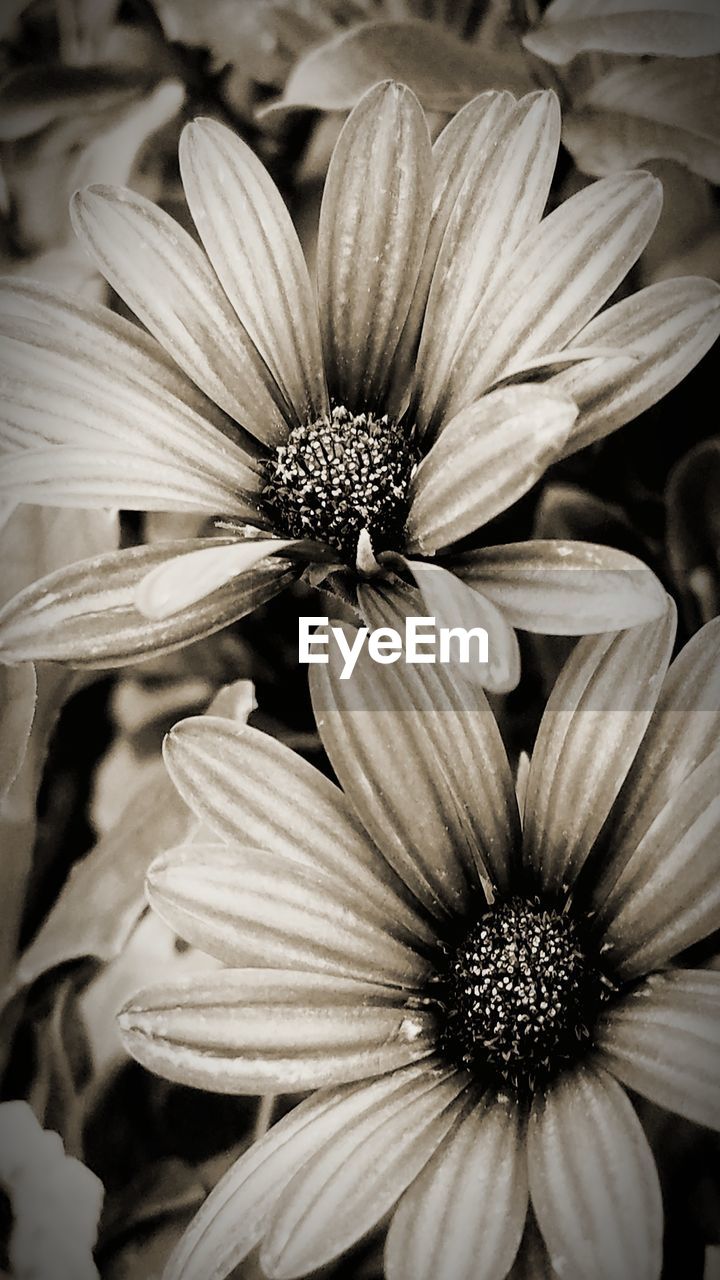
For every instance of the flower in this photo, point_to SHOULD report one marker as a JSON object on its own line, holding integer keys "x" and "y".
{"x": 55, "y": 1201}
{"x": 365, "y": 433}
{"x": 467, "y": 989}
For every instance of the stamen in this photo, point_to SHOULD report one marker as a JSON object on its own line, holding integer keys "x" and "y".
{"x": 338, "y": 476}
{"x": 521, "y": 995}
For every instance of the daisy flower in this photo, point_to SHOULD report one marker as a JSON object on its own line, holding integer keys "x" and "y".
{"x": 363, "y": 429}
{"x": 468, "y": 987}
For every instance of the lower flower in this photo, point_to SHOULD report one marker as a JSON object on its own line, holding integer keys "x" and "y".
{"x": 469, "y": 989}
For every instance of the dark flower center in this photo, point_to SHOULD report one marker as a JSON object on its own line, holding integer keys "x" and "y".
{"x": 520, "y": 994}
{"x": 339, "y": 475}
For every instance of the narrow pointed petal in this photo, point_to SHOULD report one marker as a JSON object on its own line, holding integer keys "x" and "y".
{"x": 442, "y": 809}
{"x": 374, "y": 224}
{"x": 168, "y": 282}
{"x": 667, "y": 895}
{"x": 57, "y": 322}
{"x": 77, "y": 375}
{"x": 251, "y": 908}
{"x": 463, "y": 1218}
{"x": 357, "y": 1178}
{"x": 557, "y": 279}
{"x": 251, "y": 789}
{"x": 96, "y": 477}
{"x": 453, "y": 604}
{"x": 251, "y": 242}
{"x": 269, "y": 1031}
{"x": 174, "y": 585}
{"x": 663, "y": 331}
{"x": 236, "y": 1214}
{"x": 663, "y": 1041}
{"x": 460, "y": 154}
{"x": 500, "y": 202}
{"x": 85, "y": 614}
{"x": 588, "y": 736}
{"x": 593, "y": 1182}
{"x": 683, "y": 731}
{"x": 485, "y": 459}
{"x": 560, "y": 588}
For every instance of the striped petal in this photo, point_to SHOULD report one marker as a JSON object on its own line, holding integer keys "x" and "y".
{"x": 356, "y": 1178}
{"x": 235, "y": 1216}
{"x": 485, "y": 459}
{"x": 459, "y": 155}
{"x": 422, "y": 761}
{"x": 252, "y": 790}
{"x": 248, "y": 907}
{"x": 174, "y": 585}
{"x": 85, "y": 614}
{"x": 96, "y": 477}
{"x": 663, "y": 1041}
{"x": 556, "y": 280}
{"x": 667, "y": 895}
{"x": 74, "y": 374}
{"x": 251, "y": 242}
{"x": 593, "y": 1182}
{"x": 592, "y": 726}
{"x": 564, "y": 588}
{"x": 168, "y": 282}
{"x": 452, "y": 604}
{"x": 463, "y": 1218}
{"x": 683, "y": 731}
{"x": 370, "y": 249}
{"x": 663, "y": 331}
{"x": 269, "y": 1031}
{"x": 500, "y": 202}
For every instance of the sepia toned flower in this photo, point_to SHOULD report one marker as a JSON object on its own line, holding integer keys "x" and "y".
{"x": 363, "y": 430}
{"x": 467, "y": 980}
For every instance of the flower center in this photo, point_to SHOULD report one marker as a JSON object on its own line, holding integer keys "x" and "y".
{"x": 520, "y": 995}
{"x": 339, "y": 475}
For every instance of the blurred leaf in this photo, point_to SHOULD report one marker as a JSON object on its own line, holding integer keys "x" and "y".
{"x": 442, "y": 70}
{"x": 648, "y": 110}
{"x": 104, "y": 895}
{"x": 693, "y": 530}
{"x": 36, "y": 541}
{"x": 37, "y": 97}
{"x": 18, "y": 693}
{"x": 62, "y": 1067}
{"x": 672, "y": 27}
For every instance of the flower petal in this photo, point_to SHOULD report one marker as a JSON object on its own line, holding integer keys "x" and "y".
{"x": 269, "y": 1031}
{"x": 500, "y": 202}
{"x": 251, "y": 242}
{"x": 453, "y": 604}
{"x": 564, "y": 588}
{"x": 235, "y": 1215}
{"x": 356, "y": 1178}
{"x": 484, "y": 460}
{"x": 97, "y": 477}
{"x": 664, "y": 331}
{"x": 683, "y": 731}
{"x": 667, "y": 895}
{"x": 459, "y": 155}
{"x": 558, "y": 277}
{"x": 463, "y": 1218}
{"x": 663, "y": 1041}
{"x": 370, "y": 249}
{"x": 166, "y": 279}
{"x": 248, "y": 907}
{"x": 253, "y": 790}
{"x": 442, "y": 808}
{"x": 592, "y": 726}
{"x": 593, "y": 1182}
{"x": 174, "y": 585}
{"x": 85, "y": 614}
{"x": 75, "y": 374}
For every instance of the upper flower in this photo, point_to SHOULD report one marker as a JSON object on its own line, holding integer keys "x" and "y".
{"x": 368, "y": 427}
{"x": 468, "y": 979}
